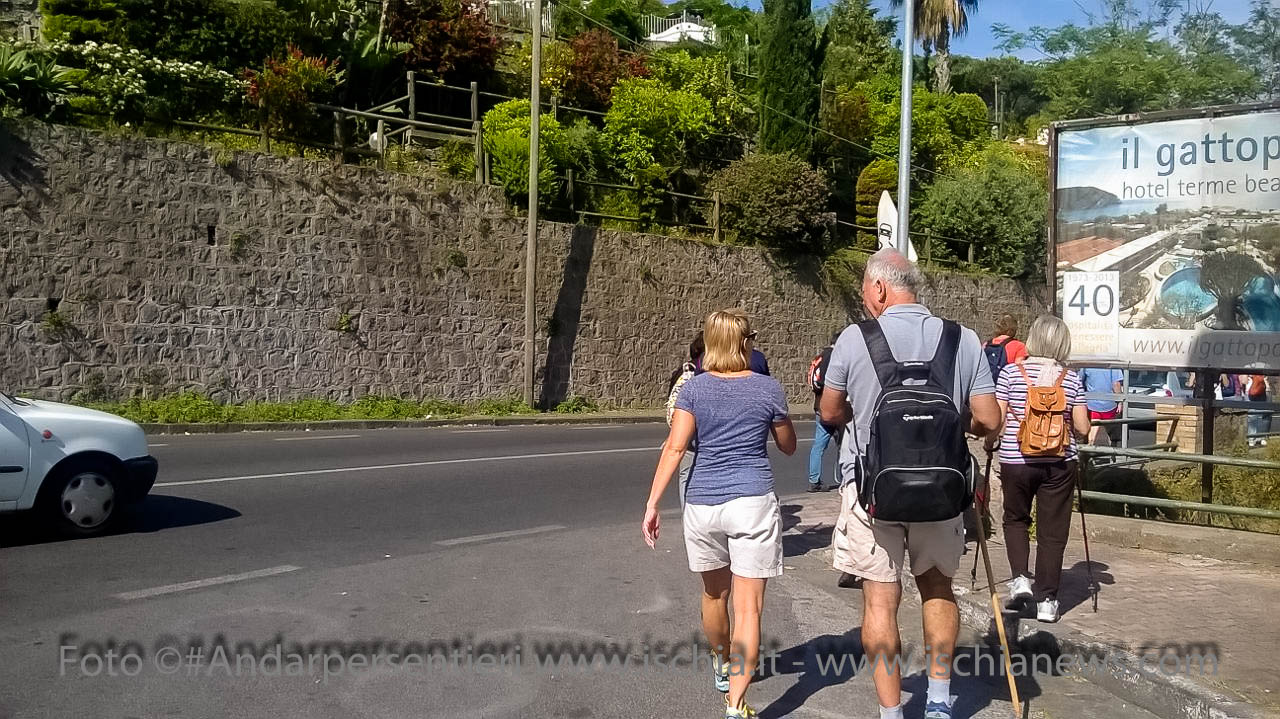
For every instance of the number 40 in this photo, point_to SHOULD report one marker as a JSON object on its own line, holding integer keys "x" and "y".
{"x": 1103, "y": 296}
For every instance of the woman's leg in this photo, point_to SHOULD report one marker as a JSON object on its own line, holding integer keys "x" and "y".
{"x": 748, "y": 602}
{"x": 715, "y": 610}
{"x": 1015, "y": 483}
{"x": 1053, "y": 524}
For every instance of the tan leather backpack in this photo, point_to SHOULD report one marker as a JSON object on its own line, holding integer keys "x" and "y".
{"x": 1044, "y": 431}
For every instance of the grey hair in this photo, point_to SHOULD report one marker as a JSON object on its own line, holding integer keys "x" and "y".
{"x": 1049, "y": 337}
{"x": 892, "y": 268}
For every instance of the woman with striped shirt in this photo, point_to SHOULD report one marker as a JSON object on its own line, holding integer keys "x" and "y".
{"x": 1048, "y": 481}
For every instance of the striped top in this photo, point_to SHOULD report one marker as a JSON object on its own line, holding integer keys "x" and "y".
{"x": 1012, "y": 388}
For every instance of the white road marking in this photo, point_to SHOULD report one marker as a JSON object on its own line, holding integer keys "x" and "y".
{"x": 500, "y": 535}
{"x": 158, "y": 444}
{"x": 323, "y": 436}
{"x": 403, "y": 465}
{"x": 211, "y": 581}
{"x": 476, "y": 431}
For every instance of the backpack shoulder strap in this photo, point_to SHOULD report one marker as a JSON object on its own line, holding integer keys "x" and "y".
{"x": 881, "y": 356}
{"x": 942, "y": 368}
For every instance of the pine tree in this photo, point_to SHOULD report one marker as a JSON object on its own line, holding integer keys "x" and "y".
{"x": 790, "y": 58}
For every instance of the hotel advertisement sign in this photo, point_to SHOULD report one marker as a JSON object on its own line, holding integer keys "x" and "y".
{"x": 1180, "y": 218}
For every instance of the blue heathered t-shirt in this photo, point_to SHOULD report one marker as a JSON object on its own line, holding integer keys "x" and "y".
{"x": 732, "y": 417}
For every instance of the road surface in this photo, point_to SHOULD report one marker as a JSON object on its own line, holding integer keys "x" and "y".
{"x": 465, "y": 540}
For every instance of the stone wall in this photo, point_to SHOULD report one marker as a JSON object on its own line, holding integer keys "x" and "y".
{"x": 15, "y": 15}
{"x": 134, "y": 265}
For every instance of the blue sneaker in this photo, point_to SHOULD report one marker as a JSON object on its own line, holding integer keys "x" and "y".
{"x": 937, "y": 710}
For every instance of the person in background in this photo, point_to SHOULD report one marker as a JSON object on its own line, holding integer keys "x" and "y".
{"x": 1004, "y": 349}
{"x": 1102, "y": 381}
{"x": 732, "y": 522}
{"x": 822, "y": 434}
{"x": 1046, "y": 480}
{"x": 1259, "y": 422}
{"x": 679, "y": 377}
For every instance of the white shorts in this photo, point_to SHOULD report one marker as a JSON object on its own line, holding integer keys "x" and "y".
{"x": 744, "y": 534}
{"x": 877, "y": 550}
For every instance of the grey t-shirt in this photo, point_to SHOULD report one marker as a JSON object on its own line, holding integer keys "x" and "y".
{"x": 913, "y": 334}
{"x": 732, "y": 417}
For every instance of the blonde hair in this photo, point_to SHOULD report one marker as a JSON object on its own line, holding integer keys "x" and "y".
{"x": 726, "y": 334}
{"x": 1049, "y": 337}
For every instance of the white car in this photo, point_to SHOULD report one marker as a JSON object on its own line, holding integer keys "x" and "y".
{"x": 78, "y": 467}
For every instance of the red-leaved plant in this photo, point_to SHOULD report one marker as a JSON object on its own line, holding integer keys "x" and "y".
{"x": 285, "y": 88}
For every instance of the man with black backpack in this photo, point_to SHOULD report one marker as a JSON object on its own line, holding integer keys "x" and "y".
{"x": 909, "y": 386}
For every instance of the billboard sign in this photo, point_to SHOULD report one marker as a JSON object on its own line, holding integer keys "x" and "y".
{"x": 1179, "y": 218}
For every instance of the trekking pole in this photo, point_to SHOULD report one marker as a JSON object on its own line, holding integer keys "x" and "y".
{"x": 981, "y": 512}
{"x": 1084, "y": 533}
{"x": 999, "y": 618}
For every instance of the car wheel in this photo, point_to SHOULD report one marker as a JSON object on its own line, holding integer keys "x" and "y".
{"x": 84, "y": 500}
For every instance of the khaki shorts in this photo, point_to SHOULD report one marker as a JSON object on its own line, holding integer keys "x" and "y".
{"x": 744, "y": 534}
{"x": 875, "y": 550}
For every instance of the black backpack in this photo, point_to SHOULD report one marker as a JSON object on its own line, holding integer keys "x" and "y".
{"x": 997, "y": 357}
{"x": 917, "y": 466}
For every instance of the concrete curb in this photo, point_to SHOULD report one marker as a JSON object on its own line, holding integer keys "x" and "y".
{"x": 346, "y": 424}
{"x": 1124, "y": 673}
{"x": 799, "y": 412}
{"x": 1214, "y": 542}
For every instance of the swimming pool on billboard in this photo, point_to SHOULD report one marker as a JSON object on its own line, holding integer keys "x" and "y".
{"x": 1260, "y": 300}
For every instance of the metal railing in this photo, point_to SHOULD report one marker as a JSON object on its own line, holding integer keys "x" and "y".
{"x": 1166, "y": 451}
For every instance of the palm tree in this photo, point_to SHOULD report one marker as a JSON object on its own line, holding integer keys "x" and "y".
{"x": 936, "y": 22}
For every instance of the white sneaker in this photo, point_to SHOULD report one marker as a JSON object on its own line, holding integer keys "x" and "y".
{"x": 1263, "y": 441}
{"x": 1019, "y": 587}
{"x": 1047, "y": 611}
{"x": 1253, "y": 443}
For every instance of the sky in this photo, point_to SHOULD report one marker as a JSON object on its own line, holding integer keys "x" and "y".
{"x": 1023, "y": 14}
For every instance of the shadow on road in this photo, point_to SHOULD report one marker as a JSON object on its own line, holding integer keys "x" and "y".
{"x": 157, "y": 513}
{"x": 821, "y": 662}
{"x": 1075, "y": 584}
{"x": 833, "y": 659}
{"x": 804, "y": 541}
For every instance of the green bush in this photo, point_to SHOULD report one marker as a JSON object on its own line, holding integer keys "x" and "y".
{"x": 457, "y": 158}
{"x": 32, "y": 84}
{"x": 876, "y": 178}
{"x": 227, "y": 34}
{"x": 130, "y": 85}
{"x": 651, "y": 124}
{"x": 1000, "y": 207}
{"x": 774, "y": 200}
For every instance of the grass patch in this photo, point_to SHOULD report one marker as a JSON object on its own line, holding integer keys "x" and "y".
{"x": 196, "y": 408}
{"x": 576, "y": 404}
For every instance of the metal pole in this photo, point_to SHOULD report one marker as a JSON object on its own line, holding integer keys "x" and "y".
{"x": 904, "y": 131}
{"x": 996, "y": 101}
{"x": 531, "y": 243}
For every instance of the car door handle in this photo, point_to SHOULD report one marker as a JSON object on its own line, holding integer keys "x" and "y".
{"x": 10, "y": 469}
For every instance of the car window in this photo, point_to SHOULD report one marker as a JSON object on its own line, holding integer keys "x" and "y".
{"x": 1147, "y": 378}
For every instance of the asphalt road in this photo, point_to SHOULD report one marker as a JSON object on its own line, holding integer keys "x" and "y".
{"x": 501, "y": 536}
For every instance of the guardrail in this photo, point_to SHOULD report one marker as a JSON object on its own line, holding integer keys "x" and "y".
{"x": 1204, "y": 459}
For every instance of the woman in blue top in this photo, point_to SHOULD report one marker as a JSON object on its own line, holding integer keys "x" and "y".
{"x": 732, "y": 525}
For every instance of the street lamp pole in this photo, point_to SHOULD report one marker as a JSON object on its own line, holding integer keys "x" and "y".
{"x": 904, "y": 132}
{"x": 531, "y": 242}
